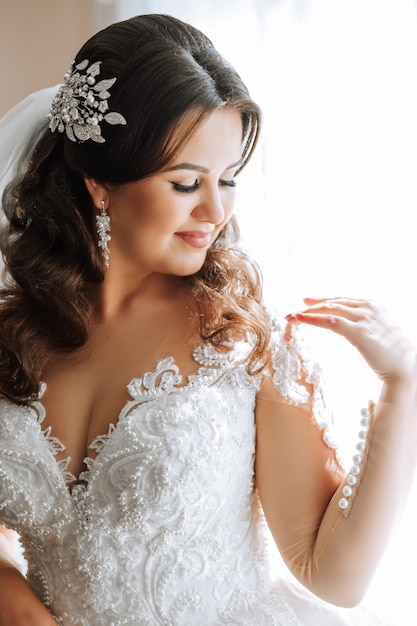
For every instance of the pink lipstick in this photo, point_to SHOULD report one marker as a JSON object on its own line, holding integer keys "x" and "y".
{"x": 195, "y": 238}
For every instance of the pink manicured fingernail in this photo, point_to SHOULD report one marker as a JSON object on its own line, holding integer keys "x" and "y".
{"x": 292, "y": 317}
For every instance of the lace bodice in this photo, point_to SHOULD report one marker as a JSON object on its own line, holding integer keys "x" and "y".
{"x": 163, "y": 526}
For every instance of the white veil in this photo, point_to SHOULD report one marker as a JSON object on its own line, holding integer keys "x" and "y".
{"x": 20, "y": 131}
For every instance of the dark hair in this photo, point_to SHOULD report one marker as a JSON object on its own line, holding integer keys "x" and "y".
{"x": 169, "y": 76}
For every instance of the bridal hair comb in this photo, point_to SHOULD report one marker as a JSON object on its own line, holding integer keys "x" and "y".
{"x": 81, "y": 104}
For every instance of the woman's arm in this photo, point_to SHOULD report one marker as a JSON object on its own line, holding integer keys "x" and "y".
{"x": 18, "y": 604}
{"x": 299, "y": 482}
{"x": 7, "y": 548}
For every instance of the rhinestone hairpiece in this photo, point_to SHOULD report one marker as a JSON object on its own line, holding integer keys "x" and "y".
{"x": 81, "y": 104}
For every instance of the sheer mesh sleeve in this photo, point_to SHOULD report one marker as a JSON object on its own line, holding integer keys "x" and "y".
{"x": 299, "y": 378}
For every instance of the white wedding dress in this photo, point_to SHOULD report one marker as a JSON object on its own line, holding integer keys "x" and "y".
{"x": 164, "y": 528}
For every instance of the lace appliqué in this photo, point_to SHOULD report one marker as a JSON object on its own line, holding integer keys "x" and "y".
{"x": 166, "y": 511}
{"x": 292, "y": 365}
{"x": 53, "y": 443}
{"x": 163, "y": 379}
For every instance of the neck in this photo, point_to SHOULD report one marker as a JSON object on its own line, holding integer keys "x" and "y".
{"x": 117, "y": 297}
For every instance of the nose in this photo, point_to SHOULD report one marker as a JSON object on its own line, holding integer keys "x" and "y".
{"x": 210, "y": 208}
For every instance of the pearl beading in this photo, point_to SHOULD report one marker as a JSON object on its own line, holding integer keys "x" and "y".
{"x": 359, "y": 458}
{"x": 166, "y": 510}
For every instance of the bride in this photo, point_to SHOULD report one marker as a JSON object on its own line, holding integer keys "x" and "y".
{"x": 156, "y": 419}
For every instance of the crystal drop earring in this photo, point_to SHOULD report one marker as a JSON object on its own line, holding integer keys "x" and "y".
{"x": 103, "y": 229}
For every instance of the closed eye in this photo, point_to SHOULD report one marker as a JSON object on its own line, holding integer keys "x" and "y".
{"x": 187, "y": 188}
{"x": 227, "y": 183}
{"x": 196, "y": 185}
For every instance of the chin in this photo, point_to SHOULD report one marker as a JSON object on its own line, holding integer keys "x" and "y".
{"x": 191, "y": 266}
{"x": 189, "y": 269}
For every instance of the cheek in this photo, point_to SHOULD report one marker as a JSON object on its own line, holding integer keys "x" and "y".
{"x": 137, "y": 217}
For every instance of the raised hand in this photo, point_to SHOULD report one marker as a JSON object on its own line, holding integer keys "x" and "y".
{"x": 369, "y": 329}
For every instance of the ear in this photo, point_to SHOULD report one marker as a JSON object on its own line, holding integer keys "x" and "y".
{"x": 98, "y": 192}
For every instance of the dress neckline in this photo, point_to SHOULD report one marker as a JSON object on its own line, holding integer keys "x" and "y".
{"x": 164, "y": 379}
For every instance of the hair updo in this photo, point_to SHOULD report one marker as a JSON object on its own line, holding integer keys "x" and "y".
{"x": 165, "y": 70}
{"x": 169, "y": 77}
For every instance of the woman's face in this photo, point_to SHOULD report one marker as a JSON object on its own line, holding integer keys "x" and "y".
{"x": 166, "y": 223}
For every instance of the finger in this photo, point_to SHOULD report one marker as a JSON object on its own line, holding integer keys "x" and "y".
{"x": 337, "y": 309}
{"x": 340, "y": 325}
{"x": 352, "y": 302}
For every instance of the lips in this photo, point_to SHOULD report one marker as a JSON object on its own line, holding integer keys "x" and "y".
{"x": 195, "y": 238}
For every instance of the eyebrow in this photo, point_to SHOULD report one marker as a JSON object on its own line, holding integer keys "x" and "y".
{"x": 200, "y": 168}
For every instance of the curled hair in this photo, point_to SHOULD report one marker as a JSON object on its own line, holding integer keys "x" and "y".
{"x": 169, "y": 76}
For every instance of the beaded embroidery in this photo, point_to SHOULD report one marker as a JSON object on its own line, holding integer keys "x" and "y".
{"x": 165, "y": 511}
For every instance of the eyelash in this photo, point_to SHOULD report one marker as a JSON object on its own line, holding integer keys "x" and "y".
{"x": 196, "y": 185}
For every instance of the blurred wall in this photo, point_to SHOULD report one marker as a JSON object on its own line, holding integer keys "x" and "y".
{"x": 38, "y": 40}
